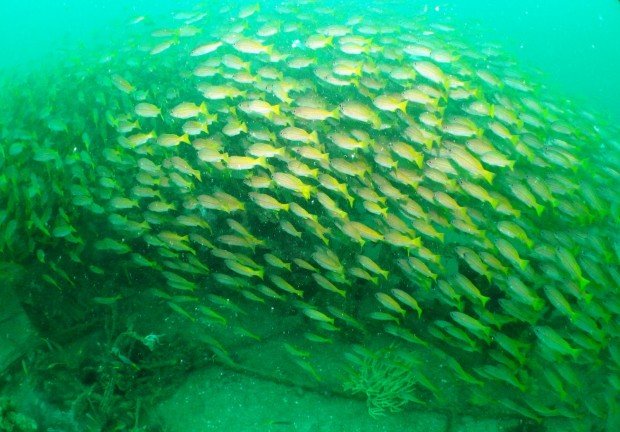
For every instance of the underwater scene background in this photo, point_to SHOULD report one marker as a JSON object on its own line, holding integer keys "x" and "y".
{"x": 309, "y": 216}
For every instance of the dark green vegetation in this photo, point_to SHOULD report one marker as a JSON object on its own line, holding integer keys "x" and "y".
{"x": 409, "y": 218}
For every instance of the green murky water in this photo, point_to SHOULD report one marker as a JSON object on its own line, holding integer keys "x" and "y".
{"x": 309, "y": 216}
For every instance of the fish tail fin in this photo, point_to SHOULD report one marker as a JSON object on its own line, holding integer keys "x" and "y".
{"x": 538, "y": 304}
{"x": 275, "y": 109}
{"x": 184, "y": 139}
{"x": 446, "y": 84}
{"x": 489, "y": 276}
{"x": 306, "y": 192}
{"x": 403, "y": 106}
{"x": 350, "y": 199}
{"x": 419, "y": 161}
{"x": 489, "y": 176}
{"x": 314, "y": 137}
{"x": 539, "y": 209}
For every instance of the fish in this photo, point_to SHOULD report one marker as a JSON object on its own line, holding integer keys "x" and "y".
{"x": 390, "y": 102}
{"x": 259, "y": 107}
{"x": 172, "y": 140}
{"x": 508, "y": 251}
{"x": 559, "y": 301}
{"x": 187, "y": 110}
{"x": 524, "y": 293}
{"x": 206, "y": 48}
{"x": 244, "y": 270}
{"x": 317, "y": 315}
{"x": 268, "y": 202}
{"x": 275, "y": 261}
{"x": 293, "y": 183}
{"x": 324, "y": 283}
{"x": 360, "y": 112}
{"x": 407, "y": 300}
{"x": 554, "y": 342}
{"x": 472, "y": 324}
{"x": 252, "y": 46}
{"x": 568, "y": 262}
{"x": 315, "y": 114}
{"x": 469, "y": 289}
{"x": 179, "y": 309}
{"x": 107, "y": 300}
{"x": 523, "y": 194}
{"x": 163, "y": 46}
{"x": 431, "y": 72}
{"x": 147, "y": 110}
{"x": 327, "y": 259}
{"x": 374, "y": 171}
{"x": 371, "y": 266}
{"x": 296, "y": 134}
{"x": 389, "y": 303}
{"x": 281, "y": 283}
{"x": 243, "y": 163}
{"x": 122, "y": 84}
{"x": 468, "y": 162}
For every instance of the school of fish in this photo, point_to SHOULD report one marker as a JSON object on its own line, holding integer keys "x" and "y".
{"x": 378, "y": 178}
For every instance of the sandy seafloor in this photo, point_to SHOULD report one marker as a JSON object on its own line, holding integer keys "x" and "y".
{"x": 217, "y": 399}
